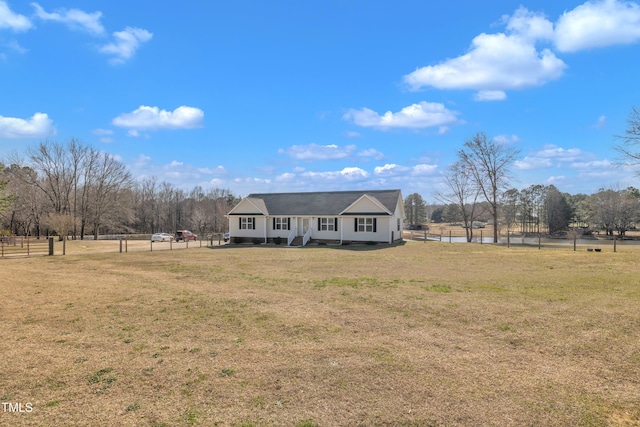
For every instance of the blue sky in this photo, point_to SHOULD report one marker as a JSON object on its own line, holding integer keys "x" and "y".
{"x": 258, "y": 96}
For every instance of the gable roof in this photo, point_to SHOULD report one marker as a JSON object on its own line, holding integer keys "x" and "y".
{"x": 329, "y": 203}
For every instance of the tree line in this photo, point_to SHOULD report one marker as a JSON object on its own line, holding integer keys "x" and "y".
{"x": 73, "y": 189}
{"x": 476, "y": 188}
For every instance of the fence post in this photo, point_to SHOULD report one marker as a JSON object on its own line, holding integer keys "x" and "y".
{"x": 574, "y": 241}
{"x": 151, "y": 243}
{"x": 27, "y": 245}
{"x": 449, "y": 236}
{"x": 538, "y": 240}
{"x": 126, "y": 245}
{"x": 64, "y": 245}
{"x": 120, "y": 244}
{"x": 614, "y": 243}
{"x": 481, "y": 239}
{"x": 50, "y": 246}
{"x": 2, "y": 245}
{"x": 508, "y": 238}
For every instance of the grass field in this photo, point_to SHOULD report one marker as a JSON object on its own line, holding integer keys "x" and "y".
{"x": 419, "y": 334}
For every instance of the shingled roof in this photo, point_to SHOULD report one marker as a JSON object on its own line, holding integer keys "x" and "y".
{"x": 330, "y": 203}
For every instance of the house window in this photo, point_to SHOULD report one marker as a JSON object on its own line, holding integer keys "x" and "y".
{"x": 327, "y": 224}
{"x": 247, "y": 223}
{"x": 281, "y": 223}
{"x": 398, "y": 224}
{"x": 365, "y": 225}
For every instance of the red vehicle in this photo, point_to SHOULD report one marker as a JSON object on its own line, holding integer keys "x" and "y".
{"x": 185, "y": 235}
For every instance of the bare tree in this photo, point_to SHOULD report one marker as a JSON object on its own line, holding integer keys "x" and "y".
{"x": 630, "y": 140}
{"x": 604, "y": 209}
{"x": 109, "y": 204}
{"x": 5, "y": 199}
{"x": 51, "y": 162}
{"x": 489, "y": 163}
{"x": 60, "y": 223}
{"x": 463, "y": 192}
{"x": 25, "y": 216}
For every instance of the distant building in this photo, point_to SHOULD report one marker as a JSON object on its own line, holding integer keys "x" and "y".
{"x": 354, "y": 216}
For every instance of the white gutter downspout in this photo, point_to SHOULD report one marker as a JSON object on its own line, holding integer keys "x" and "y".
{"x": 266, "y": 222}
{"x": 341, "y": 228}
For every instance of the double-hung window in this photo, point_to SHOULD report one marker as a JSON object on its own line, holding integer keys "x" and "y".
{"x": 247, "y": 223}
{"x": 328, "y": 224}
{"x": 280, "y": 223}
{"x": 365, "y": 225}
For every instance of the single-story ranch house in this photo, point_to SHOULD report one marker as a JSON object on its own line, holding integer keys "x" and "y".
{"x": 339, "y": 216}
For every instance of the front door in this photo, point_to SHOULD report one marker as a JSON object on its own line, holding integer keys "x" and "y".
{"x": 305, "y": 225}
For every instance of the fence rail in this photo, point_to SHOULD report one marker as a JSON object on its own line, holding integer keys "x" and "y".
{"x": 23, "y": 246}
{"x": 517, "y": 239}
{"x": 27, "y": 246}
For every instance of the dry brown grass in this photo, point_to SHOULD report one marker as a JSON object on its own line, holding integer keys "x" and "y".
{"x": 411, "y": 335}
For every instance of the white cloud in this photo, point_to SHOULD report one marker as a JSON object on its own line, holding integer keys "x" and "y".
{"x": 371, "y": 152}
{"x": 318, "y": 152}
{"x": 142, "y": 160}
{"x": 126, "y": 43}
{"x": 506, "y": 139}
{"x": 490, "y": 95}
{"x": 495, "y": 63}
{"x": 218, "y": 170}
{"x": 424, "y": 169}
{"x": 529, "y": 25}
{"x": 14, "y": 46}
{"x": 353, "y": 134}
{"x": 556, "y": 179}
{"x": 393, "y": 170}
{"x": 415, "y": 116}
{"x": 101, "y": 132}
{"x": 153, "y": 118}
{"x": 38, "y": 126}
{"x": 598, "y": 24}
{"x": 511, "y": 60}
{"x": 286, "y": 177}
{"x": 548, "y": 155}
{"x": 75, "y": 19}
{"x": 11, "y": 20}
{"x": 551, "y": 151}
{"x": 601, "y": 123}
{"x": 346, "y": 174}
{"x": 529, "y": 163}
{"x": 594, "y": 164}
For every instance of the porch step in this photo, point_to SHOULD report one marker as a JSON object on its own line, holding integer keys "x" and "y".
{"x": 297, "y": 241}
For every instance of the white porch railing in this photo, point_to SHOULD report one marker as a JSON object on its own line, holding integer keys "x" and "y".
{"x": 307, "y": 237}
{"x": 292, "y": 236}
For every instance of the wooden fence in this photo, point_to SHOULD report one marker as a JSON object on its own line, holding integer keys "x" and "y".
{"x": 26, "y": 246}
